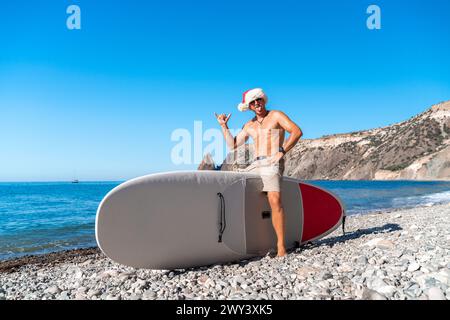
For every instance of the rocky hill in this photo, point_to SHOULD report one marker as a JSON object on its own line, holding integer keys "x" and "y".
{"x": 416, "y": 149}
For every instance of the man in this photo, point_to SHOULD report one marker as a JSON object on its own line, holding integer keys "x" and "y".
{"x": 267, "y": 129}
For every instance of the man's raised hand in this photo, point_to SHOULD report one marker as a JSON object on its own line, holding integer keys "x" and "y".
{"x": 222, "y": 118}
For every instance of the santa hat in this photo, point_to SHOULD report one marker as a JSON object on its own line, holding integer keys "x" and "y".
{"x": 249, "y": 96}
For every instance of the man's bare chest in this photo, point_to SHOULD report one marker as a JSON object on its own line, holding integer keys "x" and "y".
{"x": 266, "y": 129}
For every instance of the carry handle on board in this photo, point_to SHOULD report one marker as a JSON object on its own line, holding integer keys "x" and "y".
{"x": 343, "y": 224}
{"x": 266, "y": 214}
{"x": 223, "y": 222}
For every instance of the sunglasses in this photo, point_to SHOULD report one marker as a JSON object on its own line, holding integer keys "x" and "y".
{"x": 259, "y": 101}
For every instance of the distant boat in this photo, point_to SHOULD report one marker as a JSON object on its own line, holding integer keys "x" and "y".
{"x": 75, "y": 181}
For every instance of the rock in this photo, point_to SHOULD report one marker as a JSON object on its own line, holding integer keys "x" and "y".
{"x": 323, "y": 284}
{"x": 53, "y": 290}
{"x": 413, "y": 290}
{"x": 109, "y": 273}
{"x": 369, "y": 294}
{"x": 64, "y": 295}
{"x": 276, "y": 297}
{"x": 426, "y": 281}
{"x": 424, "y": 269}
{"x": 413, "y": 267}
{"x": 432, "y": 279}
{"x": 139, "y": 284}
{"x": 263, "y": 296}
{"x": 379, "y": 243}
{"x": 435, "y": 293}
{"x": 202, "y": 279}
{"x": 135, "y": 297}
{"x": 306, "y": 271}
{"x": 82, "y": 289}
{"x": 362, "y": 260}
{"x": 150, "y": 294}
{"x": 207, "y": 163}
{"x": 239, "y": 280}
{"x": 94, "y": 293}
{"x": 78, "y": 274}
{"x": 86, "y": 263}
{"x": 376, "y": 283}
{"x": 372, "y": 243}
{"x": 123, "y": 277}
{"x": 80, "y": 296}
{"x": 344, "y": 268}
{"x": 385, "y": 245}
{"x": 210, "y": 283}
{"x": 442, "y": 276}
{"x": 325, "y": 276}
{"x": 388, "y": 291}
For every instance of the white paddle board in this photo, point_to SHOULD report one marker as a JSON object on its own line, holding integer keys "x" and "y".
{"x": 186, "y": 219}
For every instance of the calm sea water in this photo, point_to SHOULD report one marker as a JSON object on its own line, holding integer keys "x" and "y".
{"x": 37, "y": 218}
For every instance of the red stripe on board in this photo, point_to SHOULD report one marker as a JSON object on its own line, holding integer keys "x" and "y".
{"x": 321, "y": 211}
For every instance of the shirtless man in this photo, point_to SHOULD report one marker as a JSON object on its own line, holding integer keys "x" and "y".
{"x": 267, "y": 129}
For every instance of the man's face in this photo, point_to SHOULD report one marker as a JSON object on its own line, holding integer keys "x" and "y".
{"x": 258, "y": 106}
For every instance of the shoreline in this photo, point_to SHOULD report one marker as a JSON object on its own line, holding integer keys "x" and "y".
{"x": 397, "y": 254}
{"x": 82, "y": 251}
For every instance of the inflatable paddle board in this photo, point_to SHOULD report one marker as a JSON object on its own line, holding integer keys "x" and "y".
{"x": 177, "y": 220}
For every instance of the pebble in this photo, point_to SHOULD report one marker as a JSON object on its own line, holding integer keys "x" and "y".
{"x": 369, "y": 294}
{"x": 385, "y": 245}
{"x": 387, "y": 291}
{"x": 413, "y": 267}
{"x": 52, "y": 290}
{"x": 408, "y": 262}
{"x": 435, "y": 294}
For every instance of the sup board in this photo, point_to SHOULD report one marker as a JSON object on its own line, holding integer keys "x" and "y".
{"x": 177, "y": 220}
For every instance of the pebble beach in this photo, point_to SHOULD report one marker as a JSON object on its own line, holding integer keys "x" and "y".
{"x": 396, "y": 255}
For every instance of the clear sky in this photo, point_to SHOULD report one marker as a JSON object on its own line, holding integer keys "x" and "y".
{"x": 101, "y": 103}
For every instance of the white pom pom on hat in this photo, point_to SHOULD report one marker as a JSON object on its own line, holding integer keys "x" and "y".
{"x": 249, "y": 96}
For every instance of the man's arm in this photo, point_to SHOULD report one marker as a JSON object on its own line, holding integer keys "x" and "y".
{"x": 241, "y": 137}
{"x": 293, "y": 129}
{"x": 232, "y": 142}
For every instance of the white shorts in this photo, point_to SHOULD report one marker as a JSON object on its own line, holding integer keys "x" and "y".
{"x": 271, "y": 174}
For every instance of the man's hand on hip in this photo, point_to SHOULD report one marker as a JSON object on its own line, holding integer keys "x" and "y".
{"x": 277, "y": 158}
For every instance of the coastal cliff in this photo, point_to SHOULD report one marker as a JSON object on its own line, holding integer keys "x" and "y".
{"x": 416, "y": 149}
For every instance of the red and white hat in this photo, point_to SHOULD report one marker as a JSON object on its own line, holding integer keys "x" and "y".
{"x": 249, "y": 96}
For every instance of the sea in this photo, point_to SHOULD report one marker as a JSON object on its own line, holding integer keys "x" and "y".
{"x": 44, "y": 217}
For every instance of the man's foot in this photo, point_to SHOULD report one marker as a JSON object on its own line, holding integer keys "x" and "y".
{"x": 281, "y": 252}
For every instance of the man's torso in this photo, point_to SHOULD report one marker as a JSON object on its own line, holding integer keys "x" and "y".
{"x": 267, "y": 135}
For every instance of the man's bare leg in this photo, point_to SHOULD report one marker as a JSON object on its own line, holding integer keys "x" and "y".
{"x": 277, "y": 220}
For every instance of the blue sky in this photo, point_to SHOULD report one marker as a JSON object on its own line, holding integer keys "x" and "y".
{"x": 101, "y": 103}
